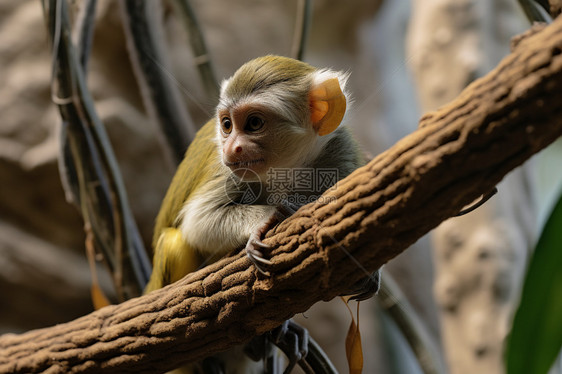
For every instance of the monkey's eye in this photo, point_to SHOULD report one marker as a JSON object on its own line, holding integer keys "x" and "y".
{"x": 226, "y": 125}
{"x": 254, "y": 123}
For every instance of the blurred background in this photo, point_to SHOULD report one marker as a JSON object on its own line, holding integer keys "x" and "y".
{"x": 405, "y": 58}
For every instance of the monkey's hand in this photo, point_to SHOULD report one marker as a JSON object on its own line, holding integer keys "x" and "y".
{"x": 253, "y": 251}
{"x": 255, "y": 245}
{"x": 292, "y": 339}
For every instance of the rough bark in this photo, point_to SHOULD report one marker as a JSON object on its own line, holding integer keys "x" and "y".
{"x": 458, "y": 153}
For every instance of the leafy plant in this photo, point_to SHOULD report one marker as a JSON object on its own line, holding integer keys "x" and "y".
{"x": 536, "y": 337}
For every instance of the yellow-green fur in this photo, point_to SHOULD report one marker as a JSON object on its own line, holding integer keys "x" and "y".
{"x": 172, "y": 256}
{"x": 200, "y": 159}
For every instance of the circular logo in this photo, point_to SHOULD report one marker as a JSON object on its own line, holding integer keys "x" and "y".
{"x": 243, "y": 186}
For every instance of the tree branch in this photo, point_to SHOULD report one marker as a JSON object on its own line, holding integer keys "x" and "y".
{"x": 458, "y": 153}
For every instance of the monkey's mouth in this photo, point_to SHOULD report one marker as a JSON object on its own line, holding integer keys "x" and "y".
{"x": 248, "y": 170}
{"x": 244, "y": 164}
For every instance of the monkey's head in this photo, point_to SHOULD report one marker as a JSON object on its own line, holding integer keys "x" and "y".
{"x": 277, "y": 112}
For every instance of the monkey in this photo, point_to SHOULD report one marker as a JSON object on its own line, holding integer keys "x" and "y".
{"x": 274, "y": 114}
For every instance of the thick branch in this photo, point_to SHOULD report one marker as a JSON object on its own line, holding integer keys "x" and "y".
{"x": 458, "y": 153}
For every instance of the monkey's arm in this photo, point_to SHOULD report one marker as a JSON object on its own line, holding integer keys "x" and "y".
{"x": 214, "y": 224}
{"x": 208, "y": 226}
{"x": 203, "y": 235}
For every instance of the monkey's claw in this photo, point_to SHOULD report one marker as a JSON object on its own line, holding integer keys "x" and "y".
{"x": 366, "y": 288}
{"x": 292, "y": 339}
{"x": 254, "y": 253}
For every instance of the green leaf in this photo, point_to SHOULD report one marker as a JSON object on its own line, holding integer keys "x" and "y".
{"x": 536, "y": 336}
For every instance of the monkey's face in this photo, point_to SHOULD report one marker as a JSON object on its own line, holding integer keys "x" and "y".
{"x": 254, "y": 140}
{"x": 244, "y": 136}
{"x": 272, "y": 112}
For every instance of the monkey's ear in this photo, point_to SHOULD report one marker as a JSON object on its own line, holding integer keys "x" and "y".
{"x": 327, "y": 106}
